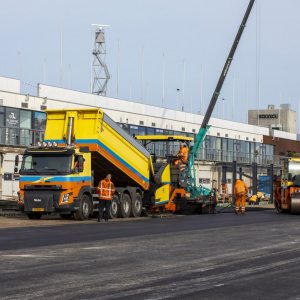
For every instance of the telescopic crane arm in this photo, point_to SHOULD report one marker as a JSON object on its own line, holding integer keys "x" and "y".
{"x": 204, "y": 126}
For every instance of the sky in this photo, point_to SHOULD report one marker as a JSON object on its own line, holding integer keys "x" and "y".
{"x": 189, "y": 39}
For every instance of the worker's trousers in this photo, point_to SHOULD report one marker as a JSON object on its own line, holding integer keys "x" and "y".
{"x": 103, "y": 209}
{"x": 240, "y": 203}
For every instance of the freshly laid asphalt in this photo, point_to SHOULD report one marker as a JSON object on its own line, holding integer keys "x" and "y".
{"x": 221, "y": 256}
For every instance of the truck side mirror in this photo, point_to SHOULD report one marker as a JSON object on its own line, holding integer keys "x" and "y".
{"x": 16, "y": 160}
{"x": 80, "y": 163}
{"x": 16, "y": 168}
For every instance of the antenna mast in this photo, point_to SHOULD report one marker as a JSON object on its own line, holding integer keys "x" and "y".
{"x": 100, "y": 74}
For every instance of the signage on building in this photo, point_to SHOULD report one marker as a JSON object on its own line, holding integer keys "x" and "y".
{"x": 268, "y": 116}
{"x": 12, "y": 117}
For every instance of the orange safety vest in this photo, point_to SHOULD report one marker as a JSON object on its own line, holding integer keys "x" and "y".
{"x": 184, "y": 154}
{"x": 106, "y": 189}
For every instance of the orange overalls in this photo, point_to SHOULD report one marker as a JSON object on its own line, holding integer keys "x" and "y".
{"x": 240, "y": 192}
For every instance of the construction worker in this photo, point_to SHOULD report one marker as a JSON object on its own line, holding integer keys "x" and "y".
{"x": 240, "y": 192}
{"x": 182, "y": 155}
{"x": 106, "y": 191}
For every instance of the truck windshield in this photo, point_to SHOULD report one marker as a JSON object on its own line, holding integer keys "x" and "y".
{"x": 46, "y": 164}
{"x": 294, "y": 169}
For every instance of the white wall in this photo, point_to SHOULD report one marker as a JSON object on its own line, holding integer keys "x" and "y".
{"x": 9, "y": 85}
{"x": 133, "y": 112}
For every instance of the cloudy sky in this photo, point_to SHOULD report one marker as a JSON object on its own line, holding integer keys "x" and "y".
{"x": 196, "y": 34}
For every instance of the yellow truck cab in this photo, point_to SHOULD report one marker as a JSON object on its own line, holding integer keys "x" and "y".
{"x": 54, "y": 178}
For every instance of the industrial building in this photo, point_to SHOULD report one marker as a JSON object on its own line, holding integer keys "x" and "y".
{"x": 282, "y": 118}
{"x": 23, "y": 121}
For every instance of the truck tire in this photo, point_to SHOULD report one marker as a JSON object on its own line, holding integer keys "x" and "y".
{"x": 114, "y": 208}
{"x": 136, "y": 206}
{"x": 85, "y": 208}
{"x": 125, "y": 206}
{"x": 34, "y": 216}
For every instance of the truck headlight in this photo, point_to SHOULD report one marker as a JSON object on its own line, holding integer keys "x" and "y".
{"x": 65, "y": 198}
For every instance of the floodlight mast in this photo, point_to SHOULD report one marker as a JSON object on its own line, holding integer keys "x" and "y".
{"x": 100, "y": 74}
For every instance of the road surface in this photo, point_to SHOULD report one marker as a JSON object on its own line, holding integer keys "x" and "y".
{"x": 222, "y": 256}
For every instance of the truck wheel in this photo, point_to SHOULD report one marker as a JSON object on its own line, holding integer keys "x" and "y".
{"x": 84, "y": 210}
{"x": 114, "y": 209}
{"x": 34, "y": 216}
{"x": 125, "y": 206}
{"x": 137, "y": 205}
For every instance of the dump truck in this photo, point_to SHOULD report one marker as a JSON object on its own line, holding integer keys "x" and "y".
{"x": 287, "y": 186}
{"x": 81, "y": 146}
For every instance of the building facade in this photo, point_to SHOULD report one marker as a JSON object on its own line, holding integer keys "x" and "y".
{"x": 282, "y": 118}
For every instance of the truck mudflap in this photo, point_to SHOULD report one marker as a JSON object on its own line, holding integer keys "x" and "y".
{"x": 40, "y": 201}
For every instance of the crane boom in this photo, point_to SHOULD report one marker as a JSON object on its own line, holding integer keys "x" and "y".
{"x": 204, "y": 126}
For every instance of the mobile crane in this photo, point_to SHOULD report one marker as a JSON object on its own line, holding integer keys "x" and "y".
{"x": 193, "y": 188}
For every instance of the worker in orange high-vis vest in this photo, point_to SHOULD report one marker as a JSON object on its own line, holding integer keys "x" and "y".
{"x": 240, "y": 192}
{"x": 106, "y": 191}
{"x": 182, "y": 155}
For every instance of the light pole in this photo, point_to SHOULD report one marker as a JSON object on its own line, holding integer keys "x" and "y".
{"x": 178, "y": 99}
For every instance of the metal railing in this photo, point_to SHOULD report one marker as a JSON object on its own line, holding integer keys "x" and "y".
{"x": 20, "y": 136}
{"x": 215, "y": 155}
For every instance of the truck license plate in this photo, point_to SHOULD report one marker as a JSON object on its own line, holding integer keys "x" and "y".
{"x": 38, "y": 209}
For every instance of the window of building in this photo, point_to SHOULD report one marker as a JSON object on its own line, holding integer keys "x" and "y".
{"x": 153, "y": 124}
{"x": 230, "y": 145}
{"x": 133, "y": 130}
{"x": 204, "y": 180}
{"x": 182, "y": 129}
{"x": 169, "y": 132}
{"x": 141, "y": 122}
{"x": 39, "y": 120}
{"x": 2, "y": 119}
{"x": 25, "y": 119}
{"x": 269, "y": 150}
{"x": 142, "y": 130}
{"x": 159, "y": 131}
{"x": 224, "y": 144}
{"x": 194, "y": 130}
{"x": 150, "y": 131}
{"x": 218, "y": 145}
